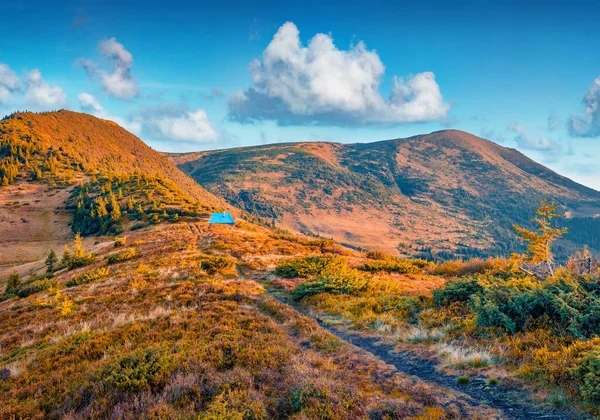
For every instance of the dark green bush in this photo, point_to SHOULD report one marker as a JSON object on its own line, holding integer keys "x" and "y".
{"x": 568, "y": 308}
{"x": 82, "y": 261}
{"x": 340, "y": 283}
{"x": 587, "y": 373}
{"x": 29, "y": 288}
{"x": 122, "y": 256}
{"x": 456, "y": 291}
{"x": 311, "y": 267}
{"x": 144, "y": 370}
{"x": 88, "y": 277}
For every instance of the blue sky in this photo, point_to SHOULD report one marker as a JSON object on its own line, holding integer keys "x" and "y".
{"x": 194, "y": 76}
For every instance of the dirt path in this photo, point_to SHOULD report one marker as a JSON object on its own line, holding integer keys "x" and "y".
{"x": 512, "y": 403}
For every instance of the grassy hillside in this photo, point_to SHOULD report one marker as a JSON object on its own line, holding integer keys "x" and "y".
{"x": 64, "y": 171}
{"x": 134, "y": 334}
{"x": 443, "y": 195}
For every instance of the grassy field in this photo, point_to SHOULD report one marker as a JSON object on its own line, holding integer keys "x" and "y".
{"x": 152, "y": 333}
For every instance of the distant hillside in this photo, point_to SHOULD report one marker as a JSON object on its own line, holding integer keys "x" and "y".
{"x": 65, "y": 171}
{"x": 445, "y": 194}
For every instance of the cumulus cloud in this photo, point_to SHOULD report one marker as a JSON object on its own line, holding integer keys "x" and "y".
{"x": 321, "y": 84}
{"x": 9, "y": 83}
{"x": 40, "y": 93}
{"x": 525, "y": 140}
{"x": 588, "y": 125}
{"x": 177, "y": 123}
{"x": 118, "y": 80}
{"x": 88, "y": 103}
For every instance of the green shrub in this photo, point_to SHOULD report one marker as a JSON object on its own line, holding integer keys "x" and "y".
{"x": 88, "y": 277}
{"x": 311, "y": 267}
{"x": 587, "y": 373}
{"x": 144, "y": 370}
{"x": 218, "y": 264}
{"x": 35, "y": 286}
{"x": 122, "y": 256}
{"x": 340, "y": 283}
{"x": 456, "y": 291}
{"x": 395, "y": 265}
{"x": 81, "y": 261}
{"x": 567, "y": 307}
{"x": 463, "y": 380}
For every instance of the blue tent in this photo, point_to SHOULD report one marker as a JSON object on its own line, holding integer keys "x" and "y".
{"x": 221, "y": 219}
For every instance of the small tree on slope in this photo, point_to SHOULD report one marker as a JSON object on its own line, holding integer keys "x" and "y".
{"x": 539, "y": 242}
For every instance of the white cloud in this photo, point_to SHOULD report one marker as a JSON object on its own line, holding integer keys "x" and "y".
{"x": 321, "y": 84}
{"x": 589, "y": 124}
{"x": 9, "y": 83}
{"x": 88, "y": 103}
{"x": 40, "y": 93}
{"x": 178, "y": 123}
{"x": 526, "y": 140}
{"x": 118, "y": 81}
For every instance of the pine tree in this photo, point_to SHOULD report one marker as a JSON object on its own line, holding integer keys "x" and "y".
{"x": 130, "y": 204}
{"x": 78, "y": 249}
{"x": 66, "y": 258}
{"x": 539, "y": 242}
{"x": 51, "y": 261}
{"x": 13, "y": 282}
{"x": 115, "y": 213}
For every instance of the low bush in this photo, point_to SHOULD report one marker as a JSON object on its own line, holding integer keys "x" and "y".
{"x": 587, "y": 373}
{"x": 311, "y": 267}
{"x": 218, "y": 264}
{"x": 395, "y": 266}
{"x": 122, "y": 256}
{"x": 120, "y": 241}
{"x": 143, "y": 370}
{"x": 88, "y": 277}
{"x": 35, "y": 286}
{"x": 569, "y": 308}
{"x": 456, "y": 291}
{"x": 81, "y": 261}
{"x": 343, "y": 282}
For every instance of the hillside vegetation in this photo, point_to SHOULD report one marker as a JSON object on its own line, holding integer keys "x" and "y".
{"x": 64, "y": 172}
{"x": 164, "y": 325}
{"x": 441, "y": 195}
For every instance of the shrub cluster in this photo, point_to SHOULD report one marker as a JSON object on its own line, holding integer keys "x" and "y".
{"x": 395, "y": 265}
{"x": 340, "y": 283}
{"x": 311, "y": 266}
{"x": 218, "y": 264}
{"x": 88, "y": 277}
{"x": 567, "y": 306}
{"x": 122, "y": 256}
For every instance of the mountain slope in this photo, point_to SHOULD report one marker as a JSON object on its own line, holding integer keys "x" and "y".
{"x": 63, "y": 171}
{"x": 444, "y": 194}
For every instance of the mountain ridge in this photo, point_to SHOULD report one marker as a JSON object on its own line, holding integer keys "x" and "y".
{"x": 447, "y": 184}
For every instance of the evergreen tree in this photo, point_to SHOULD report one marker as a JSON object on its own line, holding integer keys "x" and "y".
{"x": 13, "y": 283}
{"x": 539, "y": 242}
{"x": 78, "y": 249}
{"x": 66, "y": 258}
{"x": 51, "y": 261}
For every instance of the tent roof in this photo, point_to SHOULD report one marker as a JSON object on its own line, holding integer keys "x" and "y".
{"x": 221, "y": 218}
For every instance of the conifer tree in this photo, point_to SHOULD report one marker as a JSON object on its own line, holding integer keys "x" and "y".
{"x": 13, "y": 282}
{"x": 51, "y": 261}
{"x": 539, "y": 242}
{"x": 78, "y": 249}
{"x": 66, "y": 255}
